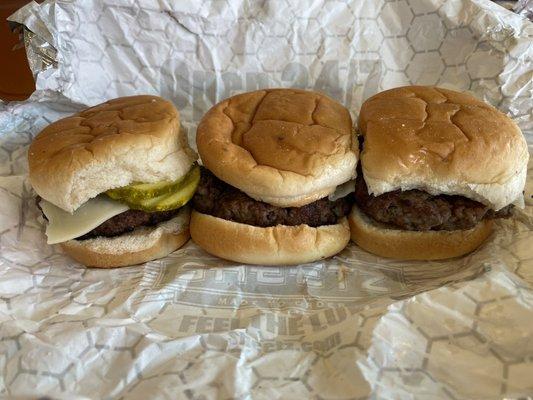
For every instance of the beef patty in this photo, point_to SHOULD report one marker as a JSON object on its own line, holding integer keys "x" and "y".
{"x": 125, "y": 222}
{"x": 416, "y": 210}
{"x": 128, "y": 221}
{"x": 221, "y": 200}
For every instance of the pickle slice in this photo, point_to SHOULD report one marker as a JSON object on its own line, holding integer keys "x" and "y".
{"x": 114, "y": 194}
{"x": 179, "y": 198}
{"x": 170, "y": 201}
{"x": 140, "y": 191}
{"x": 143, "y": 190}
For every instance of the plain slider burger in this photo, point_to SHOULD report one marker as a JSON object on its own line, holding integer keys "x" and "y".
{"x": 277, "y": 183}
{"x": 113, "y": 181}
{"x": 437, "y": 167}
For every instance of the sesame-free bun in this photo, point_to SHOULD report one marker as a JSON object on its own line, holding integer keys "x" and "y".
{"x": 442, "y": 142}
{"x": 130, "y": 139}
{"x": 402, "y": 244}
{"x": 278, "y": 245}
{"x": 141, "y": 245}
{"x": 286, "y": 147}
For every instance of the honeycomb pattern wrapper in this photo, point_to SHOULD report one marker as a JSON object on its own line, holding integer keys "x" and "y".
{"x": 193, "y": 326}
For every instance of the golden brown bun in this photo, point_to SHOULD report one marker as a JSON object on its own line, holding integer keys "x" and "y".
{"x": 412, "y": 245}
{"x": 130, "y": 139}
{"x": 441, "y": 141}
{"x": 278, "y": 245}
{"x": 286, "y": 147}
{"x": 136, "y": 247}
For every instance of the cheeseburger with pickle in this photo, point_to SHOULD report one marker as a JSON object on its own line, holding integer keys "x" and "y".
{"x": 113, "y": 181}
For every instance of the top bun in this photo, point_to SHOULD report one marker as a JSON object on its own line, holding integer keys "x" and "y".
{"x": 442, "y": 142}
{"x": 130, "y": 139}
{"x": 286, "y": 147}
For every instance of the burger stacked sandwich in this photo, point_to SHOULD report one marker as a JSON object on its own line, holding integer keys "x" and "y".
{"x": 275, "y": 188}
{"x": 437, "y": 167}
{"x": 113, "y": 180}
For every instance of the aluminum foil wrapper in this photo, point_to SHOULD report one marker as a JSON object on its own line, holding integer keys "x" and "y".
{"x": 524, "y": 7}
{"x": 193, "y": 326}
{"x": 41, "y": 54}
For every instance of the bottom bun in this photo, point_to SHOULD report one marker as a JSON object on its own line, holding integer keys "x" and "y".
{"x": 415, "y": 245}
{"x": 277, "y": 245}
{"x": 136, "y": 247}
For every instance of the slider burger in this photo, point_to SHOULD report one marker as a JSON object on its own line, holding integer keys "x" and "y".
{"x": 112, "y": 181}
{"x": 275, "y": 188}
{"x": 437, "y": 167}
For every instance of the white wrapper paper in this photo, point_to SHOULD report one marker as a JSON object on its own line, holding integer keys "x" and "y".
{"x": 192, "y": 326}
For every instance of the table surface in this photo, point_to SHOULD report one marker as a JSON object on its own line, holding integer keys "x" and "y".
{"x": 16, "y": 80}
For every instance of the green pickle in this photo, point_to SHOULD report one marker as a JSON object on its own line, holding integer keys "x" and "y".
{"x": 144, "y": 190}
{"x": 159, "y": 196}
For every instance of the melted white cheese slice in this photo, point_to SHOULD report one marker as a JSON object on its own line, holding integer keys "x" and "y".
{"x": 63, "y": 226}
{"x": 342, "y": 190}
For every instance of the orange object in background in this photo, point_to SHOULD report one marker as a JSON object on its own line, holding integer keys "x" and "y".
{"x": 16, "y": 80}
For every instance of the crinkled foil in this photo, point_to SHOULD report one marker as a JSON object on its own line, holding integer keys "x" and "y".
{"x": 41, "y": 54}
{"x": 525, "y": 8}
{"x": 193, "y": 326}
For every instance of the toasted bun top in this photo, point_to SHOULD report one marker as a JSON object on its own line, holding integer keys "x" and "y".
{"x": 441, "y": 141}
{"x": 287, "y": 147}
{"x": 107, "y": 146}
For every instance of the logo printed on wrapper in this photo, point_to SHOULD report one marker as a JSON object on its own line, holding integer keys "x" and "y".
{"x": 342, "y": 282}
